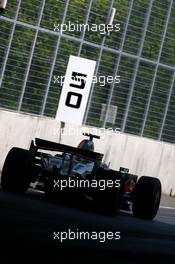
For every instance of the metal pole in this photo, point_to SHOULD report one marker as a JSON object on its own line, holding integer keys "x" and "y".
{"x": 86, "y": 21}
{"x": 54, "y": 61}
{"x": 118, "y": 63}
{"x": 10, "y": 42}
{"x": 167, "y": 105}
{"x": 148, "y": 14}
{"x": 96, "y": 69}
{"x": 31, "y": 56}
{"x": 156, "y": 69}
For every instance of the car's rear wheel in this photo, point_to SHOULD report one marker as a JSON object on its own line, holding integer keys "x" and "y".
{"x": 107, "y": 201}
{"x": 15, "y": 175}
{"x": 146, "y": 197}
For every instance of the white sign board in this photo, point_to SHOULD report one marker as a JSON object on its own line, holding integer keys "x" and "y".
{"x": 3, "y": 4}
{"x": 75, "y": 91}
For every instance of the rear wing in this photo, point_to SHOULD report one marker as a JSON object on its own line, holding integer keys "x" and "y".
{"x": 53, "y": 146}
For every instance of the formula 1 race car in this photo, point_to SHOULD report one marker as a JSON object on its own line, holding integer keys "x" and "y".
{"x": 64, "y": 171}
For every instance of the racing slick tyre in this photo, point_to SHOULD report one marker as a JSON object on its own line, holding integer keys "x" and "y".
{"x": 146, "y": 197}
{"x": 15, "y": 177}
{"x": 107, "y": 201}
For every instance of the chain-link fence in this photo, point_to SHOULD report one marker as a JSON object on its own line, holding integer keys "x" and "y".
{"x": 33, "y": 54}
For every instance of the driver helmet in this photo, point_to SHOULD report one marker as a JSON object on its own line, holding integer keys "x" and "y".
{"x": 86, "y": 145}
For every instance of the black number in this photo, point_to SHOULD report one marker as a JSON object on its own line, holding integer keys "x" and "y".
{"x": 80, "y": 80}
{"x": 68, "y": 100}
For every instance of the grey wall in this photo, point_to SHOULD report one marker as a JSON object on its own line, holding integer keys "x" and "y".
{"x": 142, "y": 156}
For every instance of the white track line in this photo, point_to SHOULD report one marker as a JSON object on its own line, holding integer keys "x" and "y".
{"x": 166, "y": 207}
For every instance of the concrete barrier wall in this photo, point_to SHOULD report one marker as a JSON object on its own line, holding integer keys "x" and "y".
{"x": 141, "y": 155}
